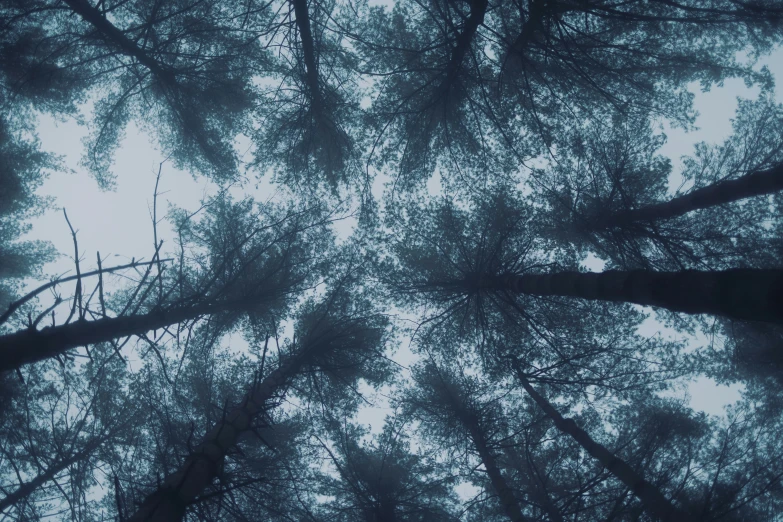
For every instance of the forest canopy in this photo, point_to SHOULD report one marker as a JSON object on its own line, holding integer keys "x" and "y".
{"x": 469, "y": 284}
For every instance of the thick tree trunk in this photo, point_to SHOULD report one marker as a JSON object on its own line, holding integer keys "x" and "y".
{"x": 169, "y": 502}
{"x": 747, "y": 294}
{"x": 651, "y": 498}
{"x": 26, "y": 489}
{"x": 117, "y": 38}
{"x": 753, "y": 184}
{"x": 29, "y": 346}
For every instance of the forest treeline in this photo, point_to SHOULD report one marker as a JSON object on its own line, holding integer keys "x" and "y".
{"x": 481, "y": 151}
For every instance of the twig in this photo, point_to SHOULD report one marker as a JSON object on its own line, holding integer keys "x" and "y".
{"x": 100, "y": 285}
{"x": 155, "y": 229}
{"x": 77, "y": 301}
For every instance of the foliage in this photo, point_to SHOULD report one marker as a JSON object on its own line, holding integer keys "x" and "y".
{"x": 443, "y": 173}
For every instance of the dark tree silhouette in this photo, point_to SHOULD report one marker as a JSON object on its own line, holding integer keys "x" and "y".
{"x": 443, "y": 399}
{"x": 654, "y": 502}
{"x": 326, "y": 341}
{"x": 446, "y": 179}
{"x": 255, "y": 269}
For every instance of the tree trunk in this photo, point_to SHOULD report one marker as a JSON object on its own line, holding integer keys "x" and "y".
{"x": 496, "y": 478}
{"x": 478, "y": 8}
{"x": 651, "y": 498}
{"x": 26, "y": 489}
{"x": 308, "y": 50}
{"x": 28, "y": 346}
{"x": 747, "y": 294}
{"x": 117, "y": 38}
{"x": 171, "y": 499}
{"x": 537, "y": 488}
{"x": 753, "y": 184}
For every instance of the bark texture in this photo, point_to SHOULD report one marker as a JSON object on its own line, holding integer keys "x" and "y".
{"x": 747, "y": 294}
{"x": 651, "y": 498}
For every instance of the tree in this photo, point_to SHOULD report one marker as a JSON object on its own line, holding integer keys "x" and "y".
{"x": 230, "y": 378}
{"x": 449, "y": 404}
{"x": 250, "y": 267}
{"x": 310, "y": 134}
{"x": 383, "y": 481}
{"x": 59, "y": 432}
{"x": 652, "y": 499}
{"x": 23, "y": 170}
{"x": 608, "y": 194}
{"x": 457, "y": 258}
{"x": 483, "y": 86}
{"x": 186, "y": 64}
{"x": 328, "y": 342}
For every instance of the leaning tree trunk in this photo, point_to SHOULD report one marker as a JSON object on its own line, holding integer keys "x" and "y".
{"x": 116, "y": 37}
{"x": 753, "y": 184}
{"x": 170, "y": 500}
{"x": 740, "y": 293}
{"x": 496, "y": 478}
{"x": 29, "y": 345}
{"x": 27, "y": 488}
{"x": 651, "y": 498}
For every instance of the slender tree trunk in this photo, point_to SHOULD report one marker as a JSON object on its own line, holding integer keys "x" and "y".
{"x": 171, "y": 499}
{"x": 26, "y": 489}
{"x": 496, "y": 478}
{"x": 117, "y": 38}
{"x": 753, "y": 184}
{"x": 651, "y": 498}
{"x": 537, "y": 488}
{"x": 29, "y": 346}
{"x": 478, "y": 8}
{"x": 747, "y": 294}
{"x": 308, "y": 50}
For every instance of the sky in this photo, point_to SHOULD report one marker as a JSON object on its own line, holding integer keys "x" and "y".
{"x": 118, "y": 224}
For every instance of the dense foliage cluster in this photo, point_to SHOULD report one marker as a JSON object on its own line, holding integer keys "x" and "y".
{"x": 478, "y": 151}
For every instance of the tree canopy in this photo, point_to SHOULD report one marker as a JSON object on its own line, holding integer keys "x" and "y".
{"x": 446, "y": 269}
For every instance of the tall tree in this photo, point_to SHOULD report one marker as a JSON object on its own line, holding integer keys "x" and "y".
{"x": 188, "y": 65}
{"x": 23, "y": 170}
{"x": 60, "y": 431}
{"x": 476, "y": 84}
{"x": 310, "y": 130}
{"x": 607, "y": 193}
{"x": 654, "y": 501}
{"x": 383, "y": 481}
{"x": 329, "y": 338}
{"x": 451, "y": 404}
{"x": 457, "y": 257}
{"x": 255, "y": 262}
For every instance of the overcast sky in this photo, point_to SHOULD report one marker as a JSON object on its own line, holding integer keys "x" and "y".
{"x": 119, "y": 224}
